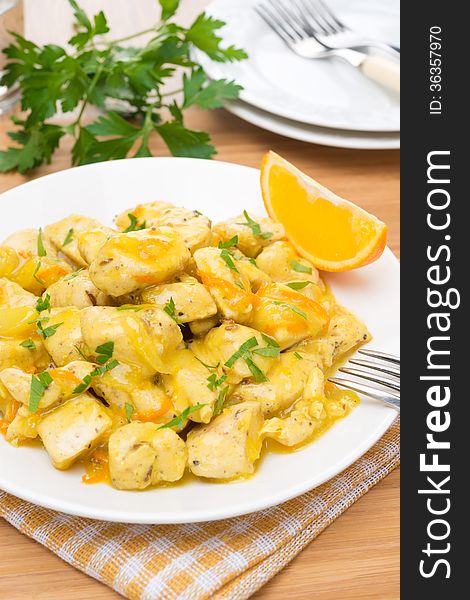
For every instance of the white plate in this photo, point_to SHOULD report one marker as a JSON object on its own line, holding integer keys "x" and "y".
{"x": 339, "y": 138}
{"x": 322, "y": 92}
{"x": 220, "y": 190}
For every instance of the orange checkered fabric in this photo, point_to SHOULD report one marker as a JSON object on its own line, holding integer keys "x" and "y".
{"x": 228, "y": 559}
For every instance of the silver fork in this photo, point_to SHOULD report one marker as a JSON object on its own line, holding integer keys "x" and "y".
{"x": 336, "y": 33}
{"x": 387, "y": 376}
{"x": 292, "y": 27}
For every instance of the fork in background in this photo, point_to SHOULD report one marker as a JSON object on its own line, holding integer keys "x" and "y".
{"x": 291, "y": 26}
{"x": 329, "y": 28}
{"x": 386, "y": 376}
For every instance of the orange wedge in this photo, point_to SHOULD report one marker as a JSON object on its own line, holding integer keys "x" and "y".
{"x": 333, "y": 233}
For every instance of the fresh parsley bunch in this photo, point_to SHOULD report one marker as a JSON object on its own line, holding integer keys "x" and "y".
{"x": 98, "y": 70}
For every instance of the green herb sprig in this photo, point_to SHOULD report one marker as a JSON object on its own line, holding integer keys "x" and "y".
{"x": 99, "y": 71}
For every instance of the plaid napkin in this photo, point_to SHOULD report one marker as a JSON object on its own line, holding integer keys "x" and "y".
{"x": 228, "y": 559}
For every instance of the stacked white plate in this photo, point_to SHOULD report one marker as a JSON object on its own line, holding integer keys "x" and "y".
{"x": 320, "y": 101}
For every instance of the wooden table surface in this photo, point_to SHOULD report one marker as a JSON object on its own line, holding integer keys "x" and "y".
{"x": 358, "y": 555}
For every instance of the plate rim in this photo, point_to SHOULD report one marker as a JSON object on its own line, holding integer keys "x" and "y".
{"x": 270, "y": 499}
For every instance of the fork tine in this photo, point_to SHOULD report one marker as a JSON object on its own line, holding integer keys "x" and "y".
{"x": 289, "y": 18}
{"x": 373, "y": 366}
{"x": 335, "y": 23}
{"x": 363, "y": 374}
{"x": 388, "y": 398}
{"x": 272, "y": 19}
{"x": 380, "y": 355}
{"x": 312, "y": 17}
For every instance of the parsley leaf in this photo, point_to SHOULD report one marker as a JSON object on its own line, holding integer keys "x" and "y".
{"x": 250, "y": 343}
{"x": 298, "y": 356}
{"x": 214, "y": 383}
{"x": 169, "y": 7}
{"x": 39, "y": 384}
{"x": 202, "y": 34}
{"x": 129, "y": 411}
{"x": 206, "y": 365}
{"x": 207, "y": 95}
{"x": 104, "y": 352}
{"x": 69, "y": 237}
{"x": 233, "y": 241}
{"x": 219, "y": 403}
{"x": 293, "y": 308}
{"x": 134, "y": 224}
{"x": 134, "y": 307}
{"x": 74, "y": 274}
{"x": 41, "y": 249}
{"x": 180, "y": 420}
{"x": 97, "y": 372}
{"x": 170, "y": 310}
{"x": 298, "y": 285}
{"x": 228, "y": 260}
{"x": 43, "y": 303}
{"x": 35, "y": 273}
{"x": 300, "y": 268}
{"x": 28, "y": 344}
{"x": 255, "y": 227}
{"x": 268, "y": 352}
{"x": 255, "y": 370}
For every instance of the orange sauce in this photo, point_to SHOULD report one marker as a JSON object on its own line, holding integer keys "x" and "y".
{"x": 97, "y": 467}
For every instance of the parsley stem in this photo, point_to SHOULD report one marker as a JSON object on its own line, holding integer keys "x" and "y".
{"x": 172, "y": 93}
{"x": 90, "y": 89}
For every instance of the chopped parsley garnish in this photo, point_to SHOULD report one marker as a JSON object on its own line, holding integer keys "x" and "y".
{"x": 69, "y": 237}
{"x": 170, "y": 310}
{"x": 41, "y": 249}
{"x": 253, "y": 262}
{"x": 214, "y": 383}
{"x": 28, "y": 344}
{"x": 298, "y": 285}
{"x": 35, "y": 273}
{"x": 298, "y": 356}
{"x": 129, "y": 411}
{"x": 228, "y": 260}
{"x": 133, "y": 307}
{"x": 245, "y": 347}
{"x": 104, "y": 352}
{"x": 293, "y": 309}
{"x": 74, "y": 274}
{"x": 97, "y": 372}
{"x": 231, "y": 242}
{"x": 134, "y": 224}
{"x": 255, "y": 227}
{"x": 82, "y": 354}
{"x": 268, "y": 352}
{"x": 220, "y": 401}
{"x": 46, "y": 332}
{"x": 300, "y": 268}
{"x": 206, "y": 365}
{"x": 180, "y": 420}
{"x": 270, "y": 341}
{"x": 43, "y": 303}
{"x": 39, "y": 384}
{"x": 255, "y": 370}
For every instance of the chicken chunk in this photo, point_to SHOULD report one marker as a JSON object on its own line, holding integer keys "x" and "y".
{"x": 144, "y": 338}
{"x": 190, "y": 385}
{"x": 229, "y": 287}
{"x": 23, "y": 427}
{"x": 66, "y": 344}
{"x": 64, "y": 381}
{"x": 282, "y": 263}
{"x": 194, "y": 227}
{"x": 301, "y": 423}
{"x": 63, "y": 235}
{"x": 12, "y": 294}
{"x": 233, "y": 344}
{"x": 132, "y": 261}
{"x": 228, "y": 446}
{"x": 191, "y": 299}
{"x": 126, "y": 384}
{"x": 76, "y": 290}
{"x": 26, "y": 242}
{"x": 141, "y": 455}
{"x": 254, "y": 233}
{"x": 345, "y": 332}
{"x": 89, "y": 243}
{"x": 287, "y": 315}
{"x": 72, "y": 429}
{"x": 287, "y": 381}
{"x": 255, "y": 276}
{"x": 14, "y": 355}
